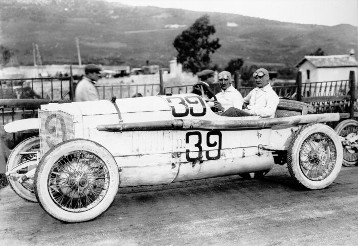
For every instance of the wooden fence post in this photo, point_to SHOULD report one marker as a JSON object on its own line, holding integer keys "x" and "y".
{"x": 71, "y": 85}
{"x": 161, "y": 86}
{"x": 352, "y": 85}
{"x": 299, "y": 86}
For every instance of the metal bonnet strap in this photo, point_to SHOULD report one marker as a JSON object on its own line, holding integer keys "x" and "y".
{"x": 113, "y": 101}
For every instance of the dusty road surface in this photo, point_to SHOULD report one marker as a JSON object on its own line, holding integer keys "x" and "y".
{"x": 220, "y": 211}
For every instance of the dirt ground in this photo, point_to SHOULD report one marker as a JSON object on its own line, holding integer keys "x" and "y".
{"x": 220, "y": 211}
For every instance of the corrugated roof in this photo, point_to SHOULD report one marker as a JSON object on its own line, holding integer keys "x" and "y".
{"x": 330, "y": 61}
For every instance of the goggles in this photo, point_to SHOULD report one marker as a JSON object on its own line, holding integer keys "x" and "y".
{"x": 259, "y": 74}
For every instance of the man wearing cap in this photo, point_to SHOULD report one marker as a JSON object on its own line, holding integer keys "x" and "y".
{"x": 261, "y": 101}
{"x": 229, "y": 97}
{"x": 85, "y": 89}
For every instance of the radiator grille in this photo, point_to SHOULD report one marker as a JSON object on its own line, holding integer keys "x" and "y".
{"x": 56, "y": 127}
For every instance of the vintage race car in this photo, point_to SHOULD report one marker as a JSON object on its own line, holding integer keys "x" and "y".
{"x": 85, "y": 151}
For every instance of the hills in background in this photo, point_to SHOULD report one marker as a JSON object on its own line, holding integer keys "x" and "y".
{"x": 112, "y": 34}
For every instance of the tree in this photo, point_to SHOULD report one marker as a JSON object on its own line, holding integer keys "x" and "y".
{"x": 6, "y": 54}
{"x": 234, "y": 65}
{"x": 194, "y": 45}
{"x": 246, "y": 75}
{"x": 318, "y": 52}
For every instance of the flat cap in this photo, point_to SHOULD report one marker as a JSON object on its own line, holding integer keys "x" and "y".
{"x": 91, "y": 68}
{"x": 205, "y": 73}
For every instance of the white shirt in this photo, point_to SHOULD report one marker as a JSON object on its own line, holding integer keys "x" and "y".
{"x": 86, "y": 91}
{"x": 230, "y": 98}
{"x": 262, "y": 101}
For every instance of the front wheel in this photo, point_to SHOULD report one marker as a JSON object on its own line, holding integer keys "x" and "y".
{"x": 76, "y": 181}
{"x": 314, "y": 156}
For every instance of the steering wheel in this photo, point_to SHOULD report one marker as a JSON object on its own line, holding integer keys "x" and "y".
{"x": 205, "y": 87}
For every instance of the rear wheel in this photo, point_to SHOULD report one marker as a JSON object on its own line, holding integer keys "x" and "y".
{"x": 314, "y": 156}
{"x": 76, "y": 181}
{"x": 348, "y": 129}
{"x": 23, "y": 159}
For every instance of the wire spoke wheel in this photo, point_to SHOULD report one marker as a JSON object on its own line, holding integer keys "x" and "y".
{"x": 318, "y": 156}
{"x": 78, "y": 181}
{"x": 315, "y": 156}
{"x": 348, "y": 129}
{"x": 26, "y": 152}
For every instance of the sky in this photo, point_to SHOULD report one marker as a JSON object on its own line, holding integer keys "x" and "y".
{"x": 321, "y": 12}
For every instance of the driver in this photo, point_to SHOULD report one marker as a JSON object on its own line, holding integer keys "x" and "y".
{"x": 229, "y": 97}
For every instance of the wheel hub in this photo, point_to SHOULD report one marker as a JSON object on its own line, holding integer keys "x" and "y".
{"x": 77, "y": 178}
{"x": 78, "y": 181}
{"x": 317, "y": 157}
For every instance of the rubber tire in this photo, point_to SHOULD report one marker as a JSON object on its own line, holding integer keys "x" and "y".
{"x": 43, "y": 171}
{"x": 293, "y": 105}
{"x": 339, "y": 128}
{"x": 13, "y": 162}
{"x": 293, "y": 159}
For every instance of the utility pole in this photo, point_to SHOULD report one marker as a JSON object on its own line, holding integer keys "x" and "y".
{"x": 78, "y": 52}
{"x": 39, "y": 61}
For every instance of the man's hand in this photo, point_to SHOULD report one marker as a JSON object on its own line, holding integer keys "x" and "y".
{"x": 219, "y": 106}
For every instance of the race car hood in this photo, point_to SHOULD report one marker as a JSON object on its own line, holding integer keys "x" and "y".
{"x": 105, "y": 107}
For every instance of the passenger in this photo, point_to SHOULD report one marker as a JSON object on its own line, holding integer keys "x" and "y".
{"x": 261, "y": 101}
{"x": 202, "y": 88}
{"x": 85, "y": 89}
{"x": 229, "y": 97}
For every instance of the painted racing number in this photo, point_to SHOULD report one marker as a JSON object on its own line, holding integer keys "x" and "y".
{"x": 194, "y": 141}
{"x": 52, "y": 136}
{"x": 182, "y": 107}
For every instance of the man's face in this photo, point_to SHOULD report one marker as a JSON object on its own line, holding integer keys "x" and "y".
{"x": 94, "y": 76}
{"x": 224, "y": 81}
{"x": 261, "y": 79}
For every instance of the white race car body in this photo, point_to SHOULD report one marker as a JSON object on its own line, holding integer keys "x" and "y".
{"x": 147, "y": 157}
{"x": 89, "y": 149}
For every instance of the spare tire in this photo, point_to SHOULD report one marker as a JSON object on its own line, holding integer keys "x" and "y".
{"x": 286, "y": 104}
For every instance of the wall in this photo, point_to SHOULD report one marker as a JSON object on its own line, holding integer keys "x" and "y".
{"x": 46, "y": 71}
{"x": 34, "y": 72}
{"x": 326, "y": 74}
{"x": 308, "y": 66}
{"x": 332, "y": 74}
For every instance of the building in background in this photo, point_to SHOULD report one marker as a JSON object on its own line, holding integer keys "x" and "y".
{"x": 327, "y": 68}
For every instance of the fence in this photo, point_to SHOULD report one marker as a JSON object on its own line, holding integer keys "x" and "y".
{"x": 57, "y": 88}
{"x": 125, "y": 91}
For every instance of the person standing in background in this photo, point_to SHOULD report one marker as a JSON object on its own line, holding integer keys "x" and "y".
{"x": 85, "y": 89}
